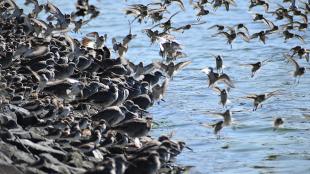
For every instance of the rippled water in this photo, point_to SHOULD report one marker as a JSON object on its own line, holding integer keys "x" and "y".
{"x": 250, "y": 145}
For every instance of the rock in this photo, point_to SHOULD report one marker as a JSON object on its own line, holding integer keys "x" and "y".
{"x": 37, "y": 148}
{"x": 27, "y": 120}
{"x": 15, "y": 154}
{"x": 5, "y": 159}
{"x": 53, "y": 164}
{"x": 9, "y": 169}
{"x": 19, "y": 110}
{"x": 3, "y": 119}
{"x": 5, "y": 134}
{"x": 31, "y": 170}
{"x": 34, "y": 137}
{"x": 11, "y": 124}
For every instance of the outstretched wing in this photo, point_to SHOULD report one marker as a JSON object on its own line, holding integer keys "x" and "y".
{"x": 292, "y": 60}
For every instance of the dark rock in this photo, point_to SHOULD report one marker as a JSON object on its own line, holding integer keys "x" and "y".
{"x": 37, "y": 148}
{"x": 34, "y": 137}
{"x": 51, "y": 163}
{"x": 9, "y": 169}
{"x": 11, "y": 124}
{"x": 19, "y": 110}
{"x": 26, "y": 120}
{"x": 5, "y": 159}
{"x": 5, "y": 134}
{"x": 15, "y": 154}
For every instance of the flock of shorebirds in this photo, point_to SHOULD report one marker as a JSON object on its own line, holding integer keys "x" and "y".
{"x": 295, "y": 22}
{"x": 80, "y": 97}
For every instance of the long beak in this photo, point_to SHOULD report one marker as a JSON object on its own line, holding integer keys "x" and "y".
{"x": 189, "y": 148}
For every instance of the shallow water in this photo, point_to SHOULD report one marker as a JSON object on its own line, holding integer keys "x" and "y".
{"x": 250, "y": 145}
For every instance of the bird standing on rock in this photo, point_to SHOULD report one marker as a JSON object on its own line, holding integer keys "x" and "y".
{"x": 102, "y": 99}
{"x": 135, "y": 127}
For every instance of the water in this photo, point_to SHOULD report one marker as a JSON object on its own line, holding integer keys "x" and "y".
{"x": 250, "y": 145}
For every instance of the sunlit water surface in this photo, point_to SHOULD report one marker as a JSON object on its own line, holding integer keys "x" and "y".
{"x": 250, "y": 145}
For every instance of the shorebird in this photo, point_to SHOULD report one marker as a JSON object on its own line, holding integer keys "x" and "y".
{"x": 153, "y": 79}
{"x": 78, "y": 24}
{"x": 63, "y": 20}
{"x": 232, "y": 34}
{"x": 90, "y": 146}
{"x": 218, "y": 27}
{"x": 223, "y": 95}
{"x": 175, "y": 147}
{"x": 241, "y": 26}
{"x": 63, "y": 71}
{"x": 299, "y": 71}
{"x": 301, "y": 52}
{"x": 260, "y": 17}
{"x": 112, "y": 115}
{"x": 134, "y": 127}
{"x": 256, "y": 66}
{"x": 158, "y": 91}
{"x": 179, "y": 2}
{"x": 93, "y": 40}
{"x": 260, "y": 35}
{"x": 103, "y": 98}
{"x": 281, "y": 12}
{"x": 84, "y": 9}
{"x": 6, "y": 60}
{"x": 288, "y": 35}
{"x": 167, "y": 24}
{"x": 219, "y": 63}
{"x": 255, "y": 3}
{"x": 171, "y": 69}
{"x": 226, "y": 116}
{"x": 215, "y": 77}
{"x": 217, "y": 128}
{"x": 146, "y": 164}
{"x": 259, "y": 98}
{"x": 226, "y": 3}
{"x": 186, "y": 27}
{"x": 277, "y": 123}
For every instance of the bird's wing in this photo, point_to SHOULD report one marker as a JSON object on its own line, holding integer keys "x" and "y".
{"x": 225, "y": 78}
{"x": 161, "y": 66}
{"x": 182, "y": 65}
{"x": 292, "y": 60}
{"x": 244, "y": 36}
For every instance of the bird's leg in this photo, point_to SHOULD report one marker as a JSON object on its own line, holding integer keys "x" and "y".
{"x": 298, "y": 80}
{"x": 253, "y": 73}
{"x": 218, "y": 136}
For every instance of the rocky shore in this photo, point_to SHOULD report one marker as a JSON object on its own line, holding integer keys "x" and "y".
{"x": 68, "y": 106}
